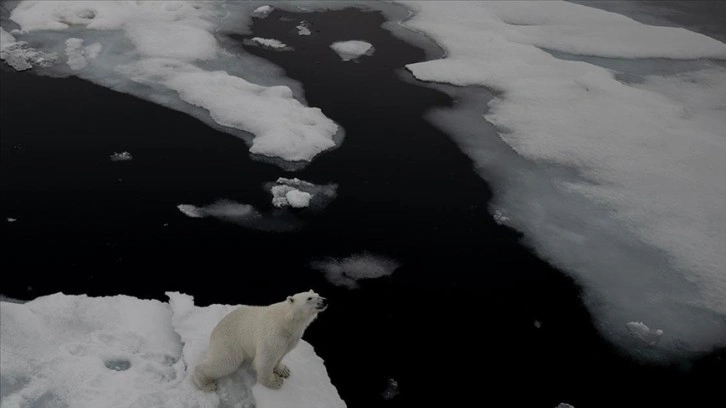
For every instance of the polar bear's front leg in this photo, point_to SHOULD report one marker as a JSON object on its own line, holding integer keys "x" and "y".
{"x": 282, "y": 370}
{"x": 265, "y": 364}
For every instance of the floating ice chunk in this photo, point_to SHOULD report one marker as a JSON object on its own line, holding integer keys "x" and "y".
{"x": 19, "y": 56}
{"x": 348, "y": 271}
{"x": 537, "y": 324}
{"x": 350, "y": 50}
{"x": 123, "y": 156}
{"x": 303, "y": 193}
{"x": 308, "y": 387}
{"x": 262, "y": 11}
{"x": 564, "y": 405}
{"x": 11, "y": 219}
{"x": 269, "y": 43}
{"x": 645, "y": 333}
{"x": 298, "y": 199}
{"x": 303, "y": 28}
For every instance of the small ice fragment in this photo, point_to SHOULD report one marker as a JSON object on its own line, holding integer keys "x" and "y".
{"x": 269, "y": 43}
{"x": 123, "y": 156}
{"x": 262, "y": 11}
{"x": 644, "y": 333}
{"x": 499, "y": 217}
{"x": 350, "y": 50}
{"x": 11, "y": 219}
{"x": 392, "y": 389}
{"x": 303, "y": 28}
{"x": 537, "y": 324}
{"x": 564, "y": 405}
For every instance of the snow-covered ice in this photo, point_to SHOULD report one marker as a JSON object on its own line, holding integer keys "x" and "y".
{"x": 348, "y": 271}
{"x": 120, "y": 351}
{"x": 351, "y": 50}
{"x": 20, "y": 56}
{"x": 11, "y": 219}
{"x": 167, "y": 52}
{"x": 618, "y": 183}
{"x": 298, "y": 193}
{"x": 123, "y": 156}
{"x": 269, "y": 43}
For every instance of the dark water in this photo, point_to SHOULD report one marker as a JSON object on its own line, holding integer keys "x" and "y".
{"x": 453, "y": 326}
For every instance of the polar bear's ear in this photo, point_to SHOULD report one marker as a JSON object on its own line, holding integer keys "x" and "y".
{"x": 290, "y": 299}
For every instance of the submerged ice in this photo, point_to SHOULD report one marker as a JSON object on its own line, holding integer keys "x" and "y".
{"x": 175, "y": 53}
{"x": 120, "y": 351}
{"x": 618, "y": 183}
{"x": 347, "y": 272}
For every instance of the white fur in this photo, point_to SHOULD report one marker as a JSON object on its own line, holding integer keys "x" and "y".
{"x": 260, "y": 334}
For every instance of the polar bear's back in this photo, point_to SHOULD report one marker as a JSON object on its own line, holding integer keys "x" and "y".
{"x": 244, "y": 328}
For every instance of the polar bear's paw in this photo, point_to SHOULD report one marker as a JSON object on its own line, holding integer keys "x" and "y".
{"x": 274, "y": 382}
{"x": 208, "y": 387}
{"x": 282, "y": 370}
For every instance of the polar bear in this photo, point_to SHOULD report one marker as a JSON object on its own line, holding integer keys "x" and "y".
{"x": 262, "y": 334}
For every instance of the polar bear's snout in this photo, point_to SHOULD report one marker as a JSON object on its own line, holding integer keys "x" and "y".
{"x": 322, "y": 304}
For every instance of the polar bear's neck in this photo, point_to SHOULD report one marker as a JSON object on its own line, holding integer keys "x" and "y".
{"x": 295, "y": 321}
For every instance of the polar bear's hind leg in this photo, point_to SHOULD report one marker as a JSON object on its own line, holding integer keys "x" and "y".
{"x": 214, "y": 366}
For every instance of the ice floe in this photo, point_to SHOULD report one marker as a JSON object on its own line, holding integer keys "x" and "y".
{"x": 172, "y": 53}
{"x": 120, "y": 351}
{"x": 618, "y": 184}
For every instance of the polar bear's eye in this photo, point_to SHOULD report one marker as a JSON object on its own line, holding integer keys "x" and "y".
{"x": 310, "y": 298}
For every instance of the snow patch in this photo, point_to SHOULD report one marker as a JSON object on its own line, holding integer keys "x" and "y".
{"x": 347, "y": 272}
{"x": 351, "y": 50}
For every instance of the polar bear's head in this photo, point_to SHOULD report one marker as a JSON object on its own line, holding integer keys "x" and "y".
{"x": 307, "y": 304}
